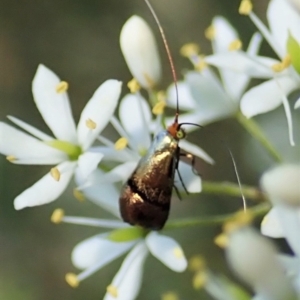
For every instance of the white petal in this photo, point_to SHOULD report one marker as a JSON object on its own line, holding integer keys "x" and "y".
{"x": 32, "y": 130}
{"x": 191, "y": 181}
{"x": 121, "y": 172}
{"x": 47, "y": 189}
{"x": 111, "y": 154}
{"x": 140, "y": 51}
{"x": 258, "y": 66}
{"x": 128, "y": 280}
{"x": 209, "y": 95}
{"x": 99, "y": 109}
{"x": 167, "y": 250}
{"x": 87, "y": 163}
{"x": 282, "y": 184}
{"x": 270, "y": 225}
{"x": 98, "y": 250}
{"x": 104, "y": 194}
{"x": 254, "y": 260}
{"x": 266, "y": 96}
{"x": 54, "y": 107}
{"x": 297, "y": 104}
{"x": 195, "y": 150}
{"x": 135, "y": 116}
{"x": 27, "y": 149}
{"x": 283, "y": 18}
{"x": 185, "y": 98}
{"x": 224, "y": 34}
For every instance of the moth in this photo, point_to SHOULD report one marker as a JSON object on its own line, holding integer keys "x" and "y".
{"x": 146, "y": 196}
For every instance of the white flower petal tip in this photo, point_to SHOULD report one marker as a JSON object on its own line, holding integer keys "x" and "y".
{"x": 139, "y": 48}
{"x": 98, "y": 112}
{"x": 282, "y": 184}
{"x": 297, "y": 104}
{"x": 270, "y": 225}
{"x": 47, "y": 189}
{"x": 53, "y": 104}
{"x": 254, "y": 259}
{"x": 192, "y": 181}
{"x": 167, "y": 250}
{"x": 97, "y": 250}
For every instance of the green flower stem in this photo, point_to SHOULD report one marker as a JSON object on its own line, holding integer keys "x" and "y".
{"x": 256, "y": 211}
{"x": 232, "y": 189}
{"x": 251, "y": 126}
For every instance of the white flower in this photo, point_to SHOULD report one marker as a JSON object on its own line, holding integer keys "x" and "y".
{"x": 97, "y": 251}
{"x": 201, "y": 92}
{"x": 70, "y": 148}
{"x": 139, "y": 48}
{"x": 254, "y": 259}
{"x": 284, "y": 73}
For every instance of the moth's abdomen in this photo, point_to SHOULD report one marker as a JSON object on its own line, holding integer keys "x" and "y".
{"x": 136, "y": 210}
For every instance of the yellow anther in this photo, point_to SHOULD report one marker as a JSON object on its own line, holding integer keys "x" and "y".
{"x": 142, "y": 151}
{"x": 178, "y": 252}
{"x": 287, "y": 61}
{"x": 159, "y": 108}
{"x": 121, "y": 143}
{"x": 90, "y": 124}
{"x": 245, "y": 7}
{"x": 279, "y": 67}
{"x": 201, "y": 65}
{"x": 196, "y": 263}
{"x": 210, "y": 32}
{"x": 189, "y": 50}
{"x": 199, "y": 280}
{"x": 133, "y": 86}
{"x": 62, "y": 87}
{"x": 221, "y": 240}
{"x": 78, "y": 195}
{"x": 235, "y": 45}
{"x": 169, "y": 296}
{"x": 11, "y": 158}
{"x": 72, "y": 280}
{"x": 54, "y": 172}
{"x": 57, "y": 216}
{"x": 239, "y": 220}
{"x": 111, "y": 289}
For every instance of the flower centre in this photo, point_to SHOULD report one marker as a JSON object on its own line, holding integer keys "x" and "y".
{"x": 73, "y": 151}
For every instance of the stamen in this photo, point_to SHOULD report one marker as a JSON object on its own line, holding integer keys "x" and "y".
{"x": 235, "y": 45}
{"x": 178, "y": 252}
{"x": 196, "y": 263}
{"x": 112, "y": 290}
{"x": 240, "y": 219}
{"x": 201, "y": 65}
{"x": 57, "y": 216}
{"x": 210, "y": 32}
{"x": 161, "y": 96}
{"x": 199, "y": 280}
{"x": 189, "y": 50}
{"x": 54, "y": 172}
{"x": 285, "y": 63}
{"x": 11, "y": 158}
{"x": 169, "y": 296}
{"x": 62, "y": 87}
{"x": 277, "y": 67}
{"x": 90, "y": 124}
{"x": 159, "y": 108}
{"x": 72, "y": 280}
{"x": 221, "y": 240}
{"x": 246, "y": 7}
{"x": 133, "y": 86}
{"x": 121, "y": 143}
{"x": 78, "y": 195}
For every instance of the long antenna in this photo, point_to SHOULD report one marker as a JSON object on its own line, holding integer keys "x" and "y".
{"x": 169, "y": 56}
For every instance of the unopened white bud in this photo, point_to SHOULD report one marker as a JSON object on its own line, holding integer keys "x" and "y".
{"x": 253, "y": 258}
{"x": 140, "y": 52}
{"x": 282, "y": 184}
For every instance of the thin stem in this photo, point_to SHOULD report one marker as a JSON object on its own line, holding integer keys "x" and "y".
{"x": 252, "y": 127}
{"x": 256, "y": 211}
{"x": 232, "y": 189}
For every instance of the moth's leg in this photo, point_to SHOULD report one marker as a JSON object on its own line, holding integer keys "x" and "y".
{"x": 178, "y": 154}
{"x": 191, "y": 157}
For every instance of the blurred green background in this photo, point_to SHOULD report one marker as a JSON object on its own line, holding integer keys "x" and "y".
{"x": 79, "y": 40}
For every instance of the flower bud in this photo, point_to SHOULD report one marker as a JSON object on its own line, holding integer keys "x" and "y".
{"x": 140, "y": 51}
{"x": 282, "y": 184}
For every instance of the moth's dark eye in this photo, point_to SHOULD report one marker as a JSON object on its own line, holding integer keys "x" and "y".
{"x": 180, "y": 134}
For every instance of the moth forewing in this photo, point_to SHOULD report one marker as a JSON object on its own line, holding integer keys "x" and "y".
{"x": 145, "y": 197}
